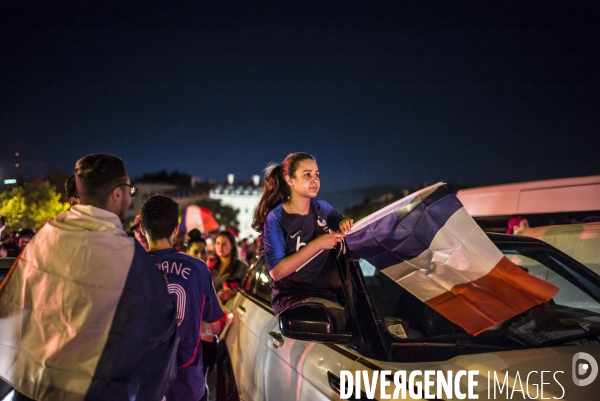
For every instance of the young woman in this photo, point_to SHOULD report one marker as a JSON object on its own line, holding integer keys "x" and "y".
{"x": 196, "y": 245}
{"x": 298, "y": 231}
{"x": 226, "y": 263}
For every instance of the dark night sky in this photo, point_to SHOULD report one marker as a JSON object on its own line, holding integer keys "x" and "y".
{"x": 471, "y": 93}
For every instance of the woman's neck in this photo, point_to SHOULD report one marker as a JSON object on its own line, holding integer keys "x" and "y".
{"x": 224, "y": 262}
{"x": 298, "y": 205}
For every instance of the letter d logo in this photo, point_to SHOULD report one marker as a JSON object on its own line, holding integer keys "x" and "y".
{"x": 582, "y": 368}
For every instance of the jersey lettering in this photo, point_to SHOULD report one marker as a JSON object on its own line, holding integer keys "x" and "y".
{"x": 180, "y": 294}
{"x": 176, "y": 269}
{"x": 299, "y": 244}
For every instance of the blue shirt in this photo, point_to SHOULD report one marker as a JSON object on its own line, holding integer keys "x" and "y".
{"x": 190, "y": 287}
{"x": 284, "y": 234}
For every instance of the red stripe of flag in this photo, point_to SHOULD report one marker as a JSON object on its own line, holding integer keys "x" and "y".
{"x": 506, "y": 291}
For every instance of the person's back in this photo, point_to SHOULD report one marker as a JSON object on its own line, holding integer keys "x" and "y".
{"x": 84, "y": 312}
{"x": 190, "y": 286}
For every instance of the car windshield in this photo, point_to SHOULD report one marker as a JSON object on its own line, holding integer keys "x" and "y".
{"x": 573, "y": 315}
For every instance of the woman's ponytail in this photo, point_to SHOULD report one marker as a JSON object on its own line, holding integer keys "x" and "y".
{"x": 275, "y": 191}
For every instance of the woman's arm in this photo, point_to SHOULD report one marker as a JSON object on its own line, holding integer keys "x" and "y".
{"x": 291, "y": 263}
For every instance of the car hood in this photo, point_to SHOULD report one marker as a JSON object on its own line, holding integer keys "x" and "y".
{"x": 524, "y": 369}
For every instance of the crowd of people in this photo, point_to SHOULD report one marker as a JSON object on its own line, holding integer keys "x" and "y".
{"x": 133, "y": 314}
{"x": 89, "y": 312}
{"x": 14, "y": 242}
{"x": 129, "y": 314}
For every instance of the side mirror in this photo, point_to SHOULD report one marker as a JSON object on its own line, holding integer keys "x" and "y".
{"x": 314, "y": 321}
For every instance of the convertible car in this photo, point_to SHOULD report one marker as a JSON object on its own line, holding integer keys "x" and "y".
{"x": 302, "y": 355}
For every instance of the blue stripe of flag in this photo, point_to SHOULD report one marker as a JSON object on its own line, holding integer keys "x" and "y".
{"x": 138, "y": 361}
{"x": 394, "y": 238}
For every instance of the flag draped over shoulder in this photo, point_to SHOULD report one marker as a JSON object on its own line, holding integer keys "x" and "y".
{"x": 428, "y": 244}
{"x": 85, "y": 315}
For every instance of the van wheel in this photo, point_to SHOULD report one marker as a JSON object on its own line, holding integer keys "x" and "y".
{"x": 226, "y": 387}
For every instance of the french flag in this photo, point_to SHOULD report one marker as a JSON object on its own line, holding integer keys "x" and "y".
{"x": 428, "y": 244}
{"x": 86, "y": 315}
{"x": 197, "y": 217}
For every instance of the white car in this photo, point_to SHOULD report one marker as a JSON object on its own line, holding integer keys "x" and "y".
{"x": 550, "y": 351}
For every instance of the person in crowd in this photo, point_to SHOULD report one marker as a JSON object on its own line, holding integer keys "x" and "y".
{"x": 253, "y": 249}
{"x": 179, "y": 241}
{"x": 71, "y": 188}
{"x": 5, "y": 239}
{"x": 517, "y": 224}
{"x": 191, "y": 289}
{"x": 9, "y": 242}
{"x": 84, "y": 307}
{"x": 296, "y": 232}
{"x": 226, "y": 263}
{"x": 137, "y": 232}
{"x": 243, "y": 248}
{"x": 196, "y": 245}
{"x": 24, "y": 235}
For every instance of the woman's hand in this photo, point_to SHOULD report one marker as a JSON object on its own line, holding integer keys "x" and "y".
{"x": 346, "y": 225}
{"x": 226, "y": 293}
{"x": 329, "y": 241}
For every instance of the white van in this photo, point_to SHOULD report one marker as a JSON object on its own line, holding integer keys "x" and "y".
{"x": 579, "y": 241}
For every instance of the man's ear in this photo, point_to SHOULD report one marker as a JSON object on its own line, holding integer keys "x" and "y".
{"x": 116, "y": 194}
{"x": 176, "y": 230}
{"x": 142, "y": 229}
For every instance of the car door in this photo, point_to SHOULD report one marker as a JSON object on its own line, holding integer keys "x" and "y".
{"x": 246, "y": 339}
{"x": 302, "y": 370}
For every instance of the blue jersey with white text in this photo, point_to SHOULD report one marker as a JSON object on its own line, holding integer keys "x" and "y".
{"x": 190, "y": 286}
{"x": 284, "y": 234}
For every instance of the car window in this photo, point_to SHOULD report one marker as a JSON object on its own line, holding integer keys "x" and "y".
{"x": 568, "y": 295}
{"x": 263, "y": 284}
{"x": 258, "y": 281}
{"x": 412, "y": 319}
{"x": 393, "y": 303}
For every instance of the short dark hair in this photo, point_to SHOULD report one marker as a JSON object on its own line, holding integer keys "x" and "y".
{"x": 96, "y": 175}
{"x": 160, "y": 215}
{"x": 195, "y": 236}
{"x": 71, "y": 187}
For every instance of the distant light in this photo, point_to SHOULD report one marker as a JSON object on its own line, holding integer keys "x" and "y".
{"x": 10, "y": 181}
{"x": 17, "y": 154}
{"x": 17, "y": 165}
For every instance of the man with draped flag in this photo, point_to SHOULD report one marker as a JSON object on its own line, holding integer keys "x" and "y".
{"x": 428, "y": 244}
{"x": 84, "y": 313}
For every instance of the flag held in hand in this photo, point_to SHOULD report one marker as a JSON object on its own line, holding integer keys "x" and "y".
{"x": 428, "y": 244}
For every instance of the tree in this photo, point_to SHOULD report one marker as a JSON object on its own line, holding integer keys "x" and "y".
{"x": 57, "y": 178}
{"x": 30, "y": 206}
{"x": 224, "y": 214}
